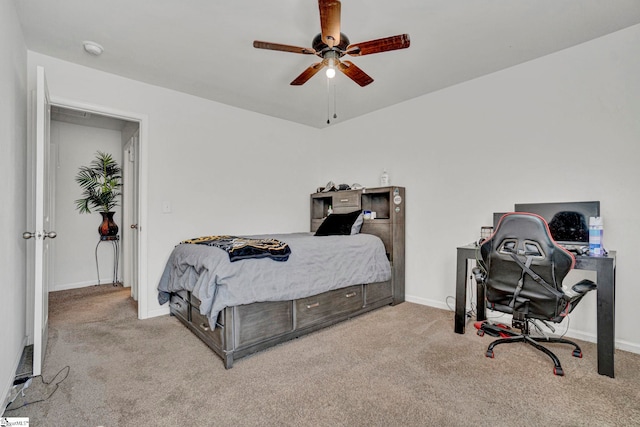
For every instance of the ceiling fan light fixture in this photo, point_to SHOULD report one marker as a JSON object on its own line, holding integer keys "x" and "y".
{"x": 331, "y": 72}
{"x": 92, "y": 48}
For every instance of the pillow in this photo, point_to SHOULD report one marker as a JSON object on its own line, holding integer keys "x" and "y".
{"x": 357, "y": 225}
{"x": 338, "y": 224}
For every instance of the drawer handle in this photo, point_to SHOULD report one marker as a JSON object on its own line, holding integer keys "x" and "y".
{"x": 177, "y": 305}
{"x": 315, "y": 304}
{"x": 351, "y": 294}
{"x": 344, "y": 200}
{"x": 204, "y": 327}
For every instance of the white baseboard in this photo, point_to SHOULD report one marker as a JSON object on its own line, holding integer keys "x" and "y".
{"x": 581, "y": 335}
{"x": 427, "y": 302}
{"x": 77, "y": 285}
{"x": 571, "y": 333}
{"x": 162, "y": 311}
{"x": 628, "y": 346}
{"x": 589, "y": 337}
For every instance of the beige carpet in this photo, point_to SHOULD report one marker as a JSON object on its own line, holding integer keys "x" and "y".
{"x": 397, "y": 366}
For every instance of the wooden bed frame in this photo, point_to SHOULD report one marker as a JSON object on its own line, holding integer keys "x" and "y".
{"x": 245, "y": 329}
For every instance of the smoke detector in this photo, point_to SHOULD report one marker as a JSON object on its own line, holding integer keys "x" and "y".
{"x": 93, "y": 48}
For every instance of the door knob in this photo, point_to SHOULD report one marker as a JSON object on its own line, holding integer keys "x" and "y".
{"x": 29, "y": 235}
{"x": 134, "y": 226}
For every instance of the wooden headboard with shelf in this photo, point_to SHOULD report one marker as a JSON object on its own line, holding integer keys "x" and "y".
{"x": 389, "y": 204}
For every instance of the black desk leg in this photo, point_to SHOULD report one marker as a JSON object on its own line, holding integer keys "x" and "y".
{"x": 606, "y": 321}
{"x": 462, "y": 273}
{"x": 461, "y": 291}
{"x": 480, "y": 305}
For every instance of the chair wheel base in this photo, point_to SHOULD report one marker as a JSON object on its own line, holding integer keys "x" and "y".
{"x": 577, "y": 353}
{"x": 558, "y": 371}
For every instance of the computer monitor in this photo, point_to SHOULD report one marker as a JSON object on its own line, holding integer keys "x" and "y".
{"x": 496, "y": 218}
{"x": 568, "y": 221}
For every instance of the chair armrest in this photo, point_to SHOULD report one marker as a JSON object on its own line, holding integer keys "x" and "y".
{"x": 583, "y": 286}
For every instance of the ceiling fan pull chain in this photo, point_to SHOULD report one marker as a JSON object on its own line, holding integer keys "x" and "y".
{"x": 335, "y": 103}
{"x": 328, "y": 101}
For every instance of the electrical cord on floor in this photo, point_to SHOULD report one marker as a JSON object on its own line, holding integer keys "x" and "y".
{"x": 470, "y": 293}
{"x": 26, "y": 384}
{"x": 448, "y": 305}
{"x": 472, "y": 312}
{"x": 553, "y": 331}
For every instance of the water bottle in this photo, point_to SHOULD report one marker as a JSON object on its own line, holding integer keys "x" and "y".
{"x": 595, "y": 236}
{"x": 384, "y": 179}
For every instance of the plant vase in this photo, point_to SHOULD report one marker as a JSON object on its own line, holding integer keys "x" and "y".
{"x": 108, "y": 228}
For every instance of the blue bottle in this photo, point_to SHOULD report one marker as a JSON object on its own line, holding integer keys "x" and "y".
{"x": 595, "y": 236}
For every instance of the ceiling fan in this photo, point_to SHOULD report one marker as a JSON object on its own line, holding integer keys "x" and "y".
{"x": 331, "y": 45}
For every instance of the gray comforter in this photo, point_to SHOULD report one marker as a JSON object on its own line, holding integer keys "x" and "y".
{"x": 316, "y": 265}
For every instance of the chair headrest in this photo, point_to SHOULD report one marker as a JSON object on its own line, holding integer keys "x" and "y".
{"x": 526, "y": 234}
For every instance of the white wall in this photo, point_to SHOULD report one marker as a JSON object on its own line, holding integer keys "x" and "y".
{"x": 75, "y": 246}
{"x": 222, "y": 169}
{"x": 13, "y": 138}
{"x": 565, "y": 127}
{"x": 560, "y": 128}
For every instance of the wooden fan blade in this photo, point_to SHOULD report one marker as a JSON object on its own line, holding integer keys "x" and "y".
{"x": 330, "y": 21}
{"x": 283, "y": 47}
{"x": 354, "y": 73}
{"x": 401, "y": 41}
{"x": 307, "y": 74}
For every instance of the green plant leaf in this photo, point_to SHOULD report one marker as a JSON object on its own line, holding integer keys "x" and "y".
{"x": 101, "y": 182}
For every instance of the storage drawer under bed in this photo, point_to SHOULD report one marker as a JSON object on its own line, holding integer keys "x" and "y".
{"x": 179, "y": 305}
{"x": 195, "y": 304}
{"x": 261, "y": 321}
{"x": 201, "y": 324}
{"x": 252, "y": 323}
{"x": 259, "y": 325}
{"x": 318, "y": 308}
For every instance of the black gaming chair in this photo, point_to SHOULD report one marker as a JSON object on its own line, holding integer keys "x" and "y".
{"x": 522, "y": 269}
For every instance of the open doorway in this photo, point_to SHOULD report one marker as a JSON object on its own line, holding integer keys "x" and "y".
{"x": 42, "y": 157}
{"x": 80, "y": 258}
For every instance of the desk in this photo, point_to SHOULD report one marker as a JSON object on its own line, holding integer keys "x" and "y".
{"x": 605, "y": 268}
{"x": 115, "y": 243}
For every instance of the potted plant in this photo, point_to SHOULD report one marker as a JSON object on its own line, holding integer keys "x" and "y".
{"x": 101, "y": 182}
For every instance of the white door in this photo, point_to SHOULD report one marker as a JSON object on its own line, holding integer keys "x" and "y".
{"x": 42, "y": 221}
{"x": 130, "y": 215}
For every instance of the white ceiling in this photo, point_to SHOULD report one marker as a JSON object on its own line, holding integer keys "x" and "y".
{"x": 204, "y": 47}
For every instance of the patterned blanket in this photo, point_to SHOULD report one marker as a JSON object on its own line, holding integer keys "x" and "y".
{"x": 244, "y": 248}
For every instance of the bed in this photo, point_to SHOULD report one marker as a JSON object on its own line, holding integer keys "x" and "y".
{"x": 243, "y": 306}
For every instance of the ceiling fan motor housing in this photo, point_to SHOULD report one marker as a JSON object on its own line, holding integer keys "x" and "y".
{"x": 321, "y": 48}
